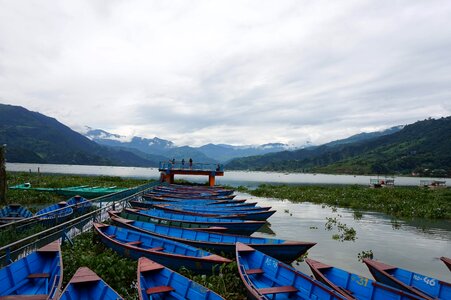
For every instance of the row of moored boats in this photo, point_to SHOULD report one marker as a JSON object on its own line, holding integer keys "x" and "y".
{"x": 50, "y": 215}
{"x": 184, "y": 226}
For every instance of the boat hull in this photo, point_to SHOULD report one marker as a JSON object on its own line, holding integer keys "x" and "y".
{"x": 353, "y": 286}
{"x": 39, "y": 273}
{"x": 286, "y": 251}
{"x": 154, "y": 278}
{"x": 264, "y": 277}
{"x": 233, "y": 226}
{"x": 203, "y": 263}
{"x": 85, "y": 285}
{"x": 414, "y": 283}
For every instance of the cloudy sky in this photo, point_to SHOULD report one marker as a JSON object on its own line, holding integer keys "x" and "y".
{"x": 238, "y": 72}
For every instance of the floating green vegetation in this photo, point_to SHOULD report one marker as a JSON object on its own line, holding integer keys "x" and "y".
{"x": 365, "y": 254}
{"x": 358, "y": 215}
{"x": 225, "y": 281}
{"x": 345, "y": 233}
{"x": 406, "y": 202}
{"x": 117, "y": 271}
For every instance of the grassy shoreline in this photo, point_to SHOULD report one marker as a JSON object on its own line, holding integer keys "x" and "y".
{"x": 401, "y": 202}
{"x": 58, "y": 181}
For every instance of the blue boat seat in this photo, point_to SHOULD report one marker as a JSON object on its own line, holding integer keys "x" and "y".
{"x": 254, "y": 271}
{"x": 278, "y": 290}
{"x": 159, "y": 289}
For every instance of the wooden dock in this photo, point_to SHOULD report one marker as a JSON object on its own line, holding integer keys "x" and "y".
{"x": 169, "y": 169}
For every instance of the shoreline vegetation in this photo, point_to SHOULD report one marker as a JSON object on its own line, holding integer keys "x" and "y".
{"x": 58, "y": 181}
{"x": 399, "y": 202}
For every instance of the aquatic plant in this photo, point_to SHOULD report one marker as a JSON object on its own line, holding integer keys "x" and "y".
{"x": 224, "y": 281}
{"x": 365, "y": 254}
{"x": 405, "y": 202}
{"x": 117, "y": 271}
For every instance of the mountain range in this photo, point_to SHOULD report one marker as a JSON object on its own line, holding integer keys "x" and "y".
{"x": 209, "y": 153}
{"x": 423, "y": 148}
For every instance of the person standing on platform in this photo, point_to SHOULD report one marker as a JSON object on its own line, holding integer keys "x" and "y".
{"x": 183, "y": 163}
{"x": 190, "y": 163}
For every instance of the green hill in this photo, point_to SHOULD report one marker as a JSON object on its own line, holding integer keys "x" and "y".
{"x": 35, "y": 138}
{"x": 423, "y": 147}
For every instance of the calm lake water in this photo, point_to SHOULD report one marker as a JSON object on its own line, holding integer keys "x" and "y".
{"x": 414, "y": 245}
{"x": 233, "y": 178}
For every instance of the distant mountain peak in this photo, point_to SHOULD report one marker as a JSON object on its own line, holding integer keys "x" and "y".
{"x": 99, "y": 134}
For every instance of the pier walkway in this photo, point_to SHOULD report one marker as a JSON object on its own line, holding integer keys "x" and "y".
{"x": 169, "y": 169}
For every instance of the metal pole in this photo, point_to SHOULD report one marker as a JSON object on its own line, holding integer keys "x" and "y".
{"x": 2, "y": 175}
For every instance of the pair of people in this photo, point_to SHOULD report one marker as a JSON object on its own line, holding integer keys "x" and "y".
{"x": 190, "y": 162}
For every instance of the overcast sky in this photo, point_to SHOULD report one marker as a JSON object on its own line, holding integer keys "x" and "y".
{"x": 238, "y": 72}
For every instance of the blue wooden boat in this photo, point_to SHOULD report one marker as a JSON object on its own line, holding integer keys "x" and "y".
{"x": 86, "y": 285}
{"x": 447, "y": 261}
{"x": 158, "y": 282}
{"x": 172, "y": 254}
{"x": 82, "y": 205}
{"x": 224, "y": 214}
{"x": 189, "y": 196}
{"x": 353, "y": 286}
{"x": 151, "y": 203}
{"x": 55, "y": 214}
{"x": 14, "y": 212}
{"x": 238, "y": 202}
{"x": 284, "y": 250}
{"x": 234, "y": 226}
{"x": 37, "y": 276}
{"x": 174, "y": 197}
{"x": 198, "y": 207}
{"x": 411, "y": 282}
{"x": 267, "y": 278}
{"x": 133, "y": 214}
{"x": 194, "y": 189}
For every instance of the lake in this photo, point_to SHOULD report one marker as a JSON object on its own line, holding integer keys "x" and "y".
{"x": 415, "y": 245}
{"x": 233, "y": 178}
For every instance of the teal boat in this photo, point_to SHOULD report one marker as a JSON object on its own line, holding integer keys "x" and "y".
{"x": 83, "y": 190}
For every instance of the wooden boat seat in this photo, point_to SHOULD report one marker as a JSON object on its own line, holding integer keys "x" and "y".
{"x": 254, "y": 271}
{"x": 134, "y": 243}
{"x": 24, "y": 297}
{"x": 278, "y": 290}
{"x": 157, "y": 249}
{"x": 159, "y": 289}
{"x": 39, "y": 275}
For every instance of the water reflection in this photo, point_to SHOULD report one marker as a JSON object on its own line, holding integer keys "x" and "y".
{"x": 406, "y": 246}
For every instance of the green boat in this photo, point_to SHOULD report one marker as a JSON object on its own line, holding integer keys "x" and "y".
{"x": 83, "y": 190}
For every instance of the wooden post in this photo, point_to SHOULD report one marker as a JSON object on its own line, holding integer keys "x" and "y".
{"x": 211, "y": 180}
{"x": 2, "y": 175}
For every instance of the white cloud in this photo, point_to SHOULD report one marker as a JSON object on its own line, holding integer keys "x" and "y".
{"x": 240, "y": 72}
